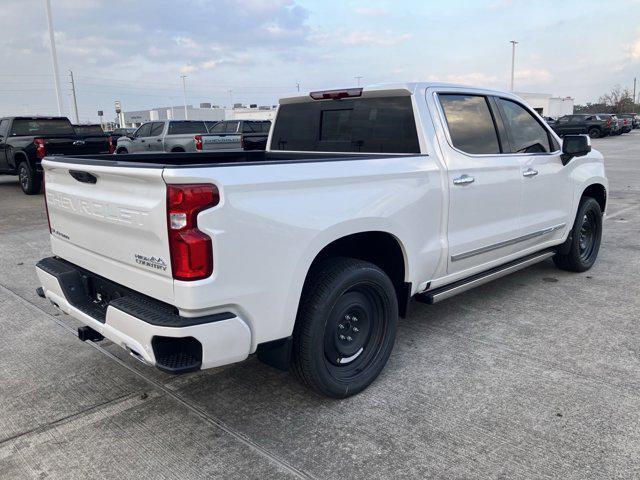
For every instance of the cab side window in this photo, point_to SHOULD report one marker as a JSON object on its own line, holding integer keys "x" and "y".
{"x": 143, "y": 131}
{"x": 4, "y": 127}
{"x": 470, "y": 123}
{"x": 156, "y": 129}
{"x": 526, "y": 134}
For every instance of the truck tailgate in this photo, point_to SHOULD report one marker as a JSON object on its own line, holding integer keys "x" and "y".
{"x": 221, "y": 141}
{"x": 111, "y": 221}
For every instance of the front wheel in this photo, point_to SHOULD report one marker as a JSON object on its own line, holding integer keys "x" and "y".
{"x": 346, "y": 327}
{"x": 122, "y": 151}
{"x": 579, "y": 252}
{"x": 30, "y": 181}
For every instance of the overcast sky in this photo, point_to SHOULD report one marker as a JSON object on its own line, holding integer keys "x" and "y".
{"x": 135, "y": 51}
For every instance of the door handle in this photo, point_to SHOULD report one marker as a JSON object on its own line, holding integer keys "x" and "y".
{"x": 141, "y": 141}
{"x": 159, "y": 140}
{"x": 529, "y": 172}
{"x": 463, "y": 180}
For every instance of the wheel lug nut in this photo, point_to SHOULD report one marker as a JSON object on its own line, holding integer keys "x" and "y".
{"x": 341, "y": 337}
{"x": 349, "y": 339}
{"x": 341, "y": 326}
{"x": 355, "y": 329}
{"x": 355, "y": 319}
{"x": 347, "y": 317}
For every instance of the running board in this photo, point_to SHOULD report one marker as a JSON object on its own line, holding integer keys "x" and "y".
{"x": 441, "y": 293}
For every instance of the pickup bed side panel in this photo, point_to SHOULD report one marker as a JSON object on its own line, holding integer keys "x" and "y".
{"x": 274, "y": 219}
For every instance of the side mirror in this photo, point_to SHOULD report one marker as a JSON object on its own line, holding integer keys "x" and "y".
{"x": 574, "y": 146}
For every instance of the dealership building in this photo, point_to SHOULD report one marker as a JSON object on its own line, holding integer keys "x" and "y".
{"x": 547, "y": 105}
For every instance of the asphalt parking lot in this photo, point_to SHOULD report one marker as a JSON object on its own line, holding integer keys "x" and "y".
{"x": 536, "y": 375}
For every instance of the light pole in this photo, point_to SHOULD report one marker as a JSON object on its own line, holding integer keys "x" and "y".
{"x": 184, "y": 93}
{"x": 54, "y": 56}
{"x": 513, "y": 60}
{"x": 358, "y": 79}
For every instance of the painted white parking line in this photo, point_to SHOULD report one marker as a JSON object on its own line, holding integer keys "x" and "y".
{"x": 620, "y": 212}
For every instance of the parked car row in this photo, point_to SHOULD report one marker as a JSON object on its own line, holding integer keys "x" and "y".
{"x": 595, "y": 125}
{"x": 176, "y": 136}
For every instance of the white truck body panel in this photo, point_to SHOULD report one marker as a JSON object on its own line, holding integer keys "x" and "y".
{"x": 274, "y": 219}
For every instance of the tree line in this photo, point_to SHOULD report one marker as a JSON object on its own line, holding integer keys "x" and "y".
{"x": 618, "y": 100}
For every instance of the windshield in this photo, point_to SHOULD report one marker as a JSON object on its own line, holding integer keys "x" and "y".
{"x": 372, "y": 125}
{"x": 42, "y": 126}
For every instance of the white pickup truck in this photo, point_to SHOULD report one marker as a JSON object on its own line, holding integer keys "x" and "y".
{"x": 307, "y": 253}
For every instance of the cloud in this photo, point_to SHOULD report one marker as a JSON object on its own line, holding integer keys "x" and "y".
{"x": 370, "y": 38}
{"x": 534, "y": 76}
{"x": 633, "y": 49}
{"x": 372, "y": 11}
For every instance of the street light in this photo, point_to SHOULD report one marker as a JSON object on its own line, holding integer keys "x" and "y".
{"x": 513, "y": 60}
{"x": 184, "y": 93}
{"x": 54, "y": 56}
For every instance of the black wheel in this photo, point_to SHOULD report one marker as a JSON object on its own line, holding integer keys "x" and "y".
{"x": 346, "y": 327}
{"x": 30, "y": 181}
{"x": 177, "y": 150}
{"x": 580, "y": 251}
{"x": 594, "y": 132}
{"x": 121, "y": 151}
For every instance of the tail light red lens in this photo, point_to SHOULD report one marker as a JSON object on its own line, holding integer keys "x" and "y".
{"x": 198, "y": 139}
{"x": 112, "y": 147}
{"x": 191, "y": 250}
{"x": 41, "y": 150}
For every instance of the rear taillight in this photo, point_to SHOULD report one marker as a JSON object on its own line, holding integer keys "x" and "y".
{"x": 242, "y": 142}
{"x": 198, "y": 139}
{"x": 41, "y": 150}
{"x": 112, "y": 147}
{"x": 191, "y": 249}
{"x": 608, "y": 122}
{"x": 44, "y": 194}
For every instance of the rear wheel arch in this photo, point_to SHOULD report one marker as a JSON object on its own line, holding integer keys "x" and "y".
{"x": 381, "y": 248}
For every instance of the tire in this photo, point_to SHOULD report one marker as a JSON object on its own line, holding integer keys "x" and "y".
{"x": 594, "y": 132}
{"x": 30, "y": 181}
{"x": 122, "y": 151}
{"x": 177, "y": 150}
{"x": 345, "y": 328}
{"x": 579, "y": 252}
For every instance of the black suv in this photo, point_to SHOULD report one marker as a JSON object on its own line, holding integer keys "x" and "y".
{"x": 593, "y": 125}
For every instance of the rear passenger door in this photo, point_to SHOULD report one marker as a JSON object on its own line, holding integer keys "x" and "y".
{"x": 485, "y": 186}
{"x": 547, "y": 195}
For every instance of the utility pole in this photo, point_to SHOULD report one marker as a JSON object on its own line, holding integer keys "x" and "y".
{"x": 54, "y": 56}
{"x": 298, "y": 87}
{"x": 513, "y": 60}
{"x": 358, "y": 79}
{"x": 184, "y": 93}
{"x": 75, "y": 101}
{"x": 634, "y": 91}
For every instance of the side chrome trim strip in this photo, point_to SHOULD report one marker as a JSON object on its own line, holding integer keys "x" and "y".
{"x": 513, "y": 241}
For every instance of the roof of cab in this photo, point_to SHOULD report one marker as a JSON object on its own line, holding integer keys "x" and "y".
{"x": 400, "y": 89}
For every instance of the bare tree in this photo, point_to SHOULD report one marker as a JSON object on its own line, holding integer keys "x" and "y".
{"x": 618, "y": 100}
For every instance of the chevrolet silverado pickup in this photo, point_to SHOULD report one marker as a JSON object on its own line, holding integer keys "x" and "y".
{"x": 306, "y": 254}
{"x": 162, "y": 136}
{"x": 24, "y": 142}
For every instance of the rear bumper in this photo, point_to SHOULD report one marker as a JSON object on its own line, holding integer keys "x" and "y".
{"x": 150, "y": 330}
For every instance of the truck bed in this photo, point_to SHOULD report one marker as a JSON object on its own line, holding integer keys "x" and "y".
{"x": 213, "y": 159}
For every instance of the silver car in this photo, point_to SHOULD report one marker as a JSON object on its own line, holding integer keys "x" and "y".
{"x": 163, "y": 136}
